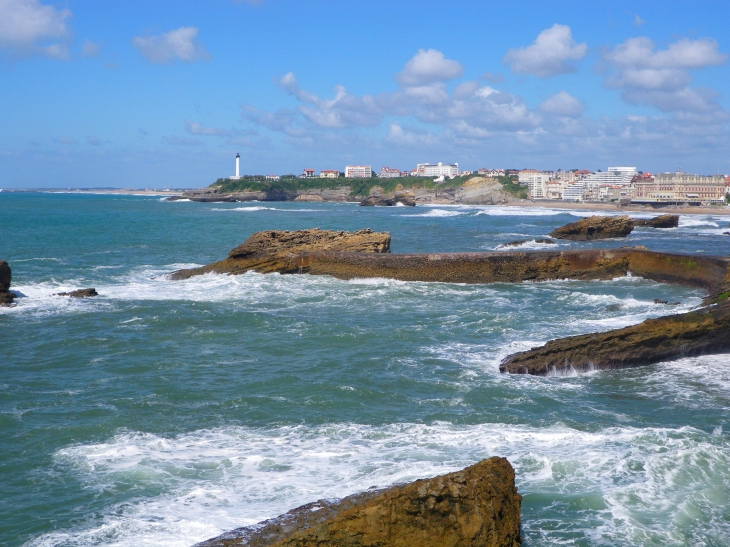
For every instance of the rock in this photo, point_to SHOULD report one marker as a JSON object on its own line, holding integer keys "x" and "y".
{"x": 381, "y": 201}
{"x": 79, "y": 293}
{"x": 6, "y": 275}
{"x": 515, "y": 243}
{"x": 476, "y": 507}
{"x": 658, "y": 301}
{"x": 274, "y": 250}
{"x": 595, "y": 227}
{"x": 6, "y": 299}
{"x": 700, "y": 332}
{"x": 613, "y": 307}
{"x": 545, "y": 241}
{"x": 309, "y": 197}
{"x": 662, "y": 221}
{"x": 519, "y": 242}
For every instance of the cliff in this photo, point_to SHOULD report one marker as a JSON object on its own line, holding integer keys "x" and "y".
{"x": 476, "y": 507}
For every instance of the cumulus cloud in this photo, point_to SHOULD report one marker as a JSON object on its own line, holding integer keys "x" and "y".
{"x": 428, "y": 67}
{"x": 343, "y": 110}
{"x": 553, "y": 52}
{"x": 638, "y": 21}
{"x": 661, "y": 78}
{"x": 195, "y": 128}
{"x": 563, "y": 104}
{"x": 410, "y": 137}
{"x": 90, "y": 49}
{"x": 181, "y": 44}
{"x": 29, "y": 27}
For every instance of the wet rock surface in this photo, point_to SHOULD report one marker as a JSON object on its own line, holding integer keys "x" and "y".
{"x": 79, "y": 293}
{"x": 544, "y": 241}
{"x": 476, "y": 507}
{"x": 700, "y": 332}
{"x": 398, "y": 199}
{"x": 275, "y": 250}
{"x": 662, "y": 221}
{"x": 595, "y": 227}
{"x": 6, "y": 276}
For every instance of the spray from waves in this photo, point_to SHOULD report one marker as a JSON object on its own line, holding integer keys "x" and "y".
{"x": 631, "y": 485}
{"x": 497, "y": 211}
{"x": 439, "y": 213}
{"x": 526, "y": 245}
{"x": 261, "y": 208}
{"x": 174, "y": 200}
{"x": 686, "y": 221}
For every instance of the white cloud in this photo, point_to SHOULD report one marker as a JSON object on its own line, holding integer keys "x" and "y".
{"x": 638, "y": 21}
{"x": 90, "y": 49}
{"x": 563, "y": 104}
{"x": 95, "y": 141}
{"x": 28, "y": 27}
{"x": 181, "y": 44}
{"x": 343, "y": 110}
{"x": 181, "y": 141}
{"x": 410, "y": 137}
{"x": 428, "y": 67}
{"x": 553, "y": 52}
{"x": 661, "y": 78}
{"x": 195, "y": 128}
{"x": 65, "y": 140}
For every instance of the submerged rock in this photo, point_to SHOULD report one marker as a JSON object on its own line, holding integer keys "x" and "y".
{"x": 595, "y": 227}
{"x": 79, "y": 293}
{"x": 476, "y": 507}
{"x": 662, "y": 221}
{"x": 544, "y": 241}
{"x": 6, "y": 276}
{"x": 668, "y": 338}
{"x": 274, "y": 250}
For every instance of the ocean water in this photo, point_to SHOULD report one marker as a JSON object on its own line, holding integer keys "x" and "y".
{"x": 165, "y": 412}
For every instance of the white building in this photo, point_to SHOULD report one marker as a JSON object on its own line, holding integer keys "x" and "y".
{"x": 329, "y": 173}
{"x": 238, "y": 167}
{"x": 574, "y": 192}
{"x": 535, "y": 181}
{"x": 440, "y": 169}
{"x": 615, "y": 176}
{"x": 358, "y": 171}
{"x": 388, "y": 173}
{"x": 272, "y": 177}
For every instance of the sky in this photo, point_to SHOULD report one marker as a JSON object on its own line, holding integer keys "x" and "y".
{"x": 164, "y": 93}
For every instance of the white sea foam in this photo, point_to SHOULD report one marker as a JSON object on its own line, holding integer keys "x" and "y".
{"x": 438, "y": 213}
{"x": 686, "y": 221}
{"x": 262, "y": 208}
{"x": 501, "y": 211}
{"x": 527, "y": 245}
{"x": 634, "y": 483}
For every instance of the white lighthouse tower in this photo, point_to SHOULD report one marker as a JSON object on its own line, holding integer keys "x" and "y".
{"x": 238, "y": 167}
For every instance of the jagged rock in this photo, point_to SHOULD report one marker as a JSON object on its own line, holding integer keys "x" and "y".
{"x": 476, "y": 507}
{"x": 662, "y": 221}
{"x": 309, "y": 197}
{"x": 700, "y": 332}
{"x": 273, "y": 250}
{"x": 6, "y": 299}
{"x": 595, "y": 227}
{"x": 79, "y": 293}
{"x": 660, "y": 301}
{"x": 613, "y": 307}
{"x": 6, "y": 275}
{"x": 381, "y": 201}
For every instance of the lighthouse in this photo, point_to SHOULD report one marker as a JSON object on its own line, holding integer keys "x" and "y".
{"x": 238, "y": 167}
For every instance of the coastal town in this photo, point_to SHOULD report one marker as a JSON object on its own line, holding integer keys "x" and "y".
{"x": 623, "y": 185}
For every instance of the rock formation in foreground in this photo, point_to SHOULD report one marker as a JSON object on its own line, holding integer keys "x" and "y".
{"x": 700, "y": 332}
{"x": 662, "y": 221}
{"x": 79, "y": 293}
{"x": 275, "y": 250}
{"x": 476, "y": 507}
{"x": 6, "y": 276}
{"x": 595, "y": 227}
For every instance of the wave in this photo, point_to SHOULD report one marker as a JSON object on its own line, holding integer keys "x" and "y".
{"x": 630, "y": 482}
{"x": 438, "y": 213}
{"x": 261, "y": 208}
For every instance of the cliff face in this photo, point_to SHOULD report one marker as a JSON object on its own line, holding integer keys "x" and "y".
{"x": 476, "y": 507}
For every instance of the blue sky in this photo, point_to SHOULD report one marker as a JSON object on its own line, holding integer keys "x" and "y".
{"x": 163, "y": 93}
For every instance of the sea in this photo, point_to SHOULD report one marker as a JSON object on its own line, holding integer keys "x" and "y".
{"x": 163, "y": 413}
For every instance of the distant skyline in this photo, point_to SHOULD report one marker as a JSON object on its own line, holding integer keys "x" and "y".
{"x": 153, "y": 94}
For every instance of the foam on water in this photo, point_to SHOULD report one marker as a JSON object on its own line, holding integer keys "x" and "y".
{"x": 261, "y": 208}
{"x": 619, "y": 485}
{"x": 439, "y": 213}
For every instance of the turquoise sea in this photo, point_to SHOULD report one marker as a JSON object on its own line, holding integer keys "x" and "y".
{"x": 164, "y": 412}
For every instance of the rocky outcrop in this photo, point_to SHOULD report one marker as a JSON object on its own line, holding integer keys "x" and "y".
{"x": 595, "y": 227}
{"x": 276, "y": 251}
{"x": 662, "y": 221}
{"x": 403, "y": 198}
{"x": 543, "y": 241}
{"x": 476, "y": 507}
{"x": 672, "y": 337}
{"x": 6, "y": 276}
{"x": 79, "y": 293}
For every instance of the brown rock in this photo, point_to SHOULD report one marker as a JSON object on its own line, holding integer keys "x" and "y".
{"x": 274, "y": 250}
{"x": 595, "y": 227}
{"x": 6, "y": 276}
{"x": 79, "y": 293}
{"x": 6, "y": 299}
{"x": 662, "y": 221}
{"x": 380, "y": 201}
{"x": 668, "y": 338}
{"x": 476, "y": 507}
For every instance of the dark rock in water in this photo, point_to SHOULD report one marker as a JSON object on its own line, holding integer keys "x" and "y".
{"x": 659, "y": 301}
{"x": 274, "y": 250}
{"x": 379, "y": 201}
{"x": 662, "y": 221}
{"x": 6, "y": 275}
{"x": 545, "y": 241}
{"x": 700, "y": 332}
{"x": 478, "y": 506}
{"x": 595, "y": 227}
{"x": 519, "y": 242}
{"x": 79, "y": 293}
{"x": 613, "y": 307}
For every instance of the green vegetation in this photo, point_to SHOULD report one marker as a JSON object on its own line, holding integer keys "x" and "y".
{"x": 358, "y": 186}
{"x": 723, "y": 296}
{"x": 510, "y": 185}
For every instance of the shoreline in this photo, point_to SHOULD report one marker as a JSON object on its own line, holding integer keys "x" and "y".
{"x": 724, "y": 210}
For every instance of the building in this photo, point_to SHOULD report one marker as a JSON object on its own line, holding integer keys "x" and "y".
{"x": 554, "y": 189}
{"x": 358, "y": 171}
{"x": 307, "y": 174}
{"x": 272, "y": 177}
{"x": 680, "y": 188}
{"x": 615, "y": 176}
{"x": 490, "y": 172}
{"x": 574, "y": 192}
{"x": 388, "y": 173}
{"x": 535, "y": 181}
{"x": 237, "y": 176}
{"x": 329, "y": 173}
{"x": 440, "y": 169}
